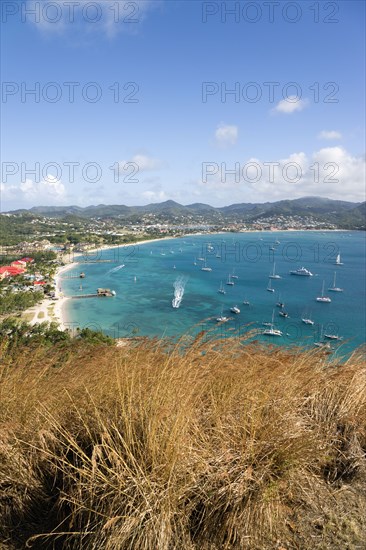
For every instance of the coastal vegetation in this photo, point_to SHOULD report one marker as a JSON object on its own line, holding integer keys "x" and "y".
{"x": 204, "y": 445}
{"x": 18, "y": 293}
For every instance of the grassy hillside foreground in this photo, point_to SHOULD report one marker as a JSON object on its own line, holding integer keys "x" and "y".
{"x": 220, "y": 447}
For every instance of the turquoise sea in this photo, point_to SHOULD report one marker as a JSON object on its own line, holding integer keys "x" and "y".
{"x": 144, "y": 276}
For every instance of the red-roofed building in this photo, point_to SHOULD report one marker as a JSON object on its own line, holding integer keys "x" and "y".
{"x": 39, "y": 282}
{"x": 19, "y": 263}
{"x": 10, "y": 271}
{"x": 27, "y": 260}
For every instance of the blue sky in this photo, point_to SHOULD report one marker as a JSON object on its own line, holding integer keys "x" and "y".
{"x": 180, "y": 142}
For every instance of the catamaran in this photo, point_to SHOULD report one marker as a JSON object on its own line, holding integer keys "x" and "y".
{"x": 335, "y": 288}
{"x": 271, "y": 331}
{"x": 221, "y": 289}
{"x": 273, "y": 274}
{"x": 322, "y": 298}
{"x": 338, "y": 260}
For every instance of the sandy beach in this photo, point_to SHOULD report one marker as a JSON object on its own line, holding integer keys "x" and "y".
{"x": 50, "y": 310}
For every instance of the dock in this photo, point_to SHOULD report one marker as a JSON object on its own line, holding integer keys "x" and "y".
{"x": 101, "y": 293}
{"x": 80, "y": 276}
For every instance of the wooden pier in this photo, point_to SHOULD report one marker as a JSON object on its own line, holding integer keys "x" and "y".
{"x": 80, "y": 276}
{"x": 101, "y": 293}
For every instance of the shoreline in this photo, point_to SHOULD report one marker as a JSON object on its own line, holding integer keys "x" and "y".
{"x": 53, "y": 310}
{"x": 49, "y": 310}
{"x": 42, "y": 312}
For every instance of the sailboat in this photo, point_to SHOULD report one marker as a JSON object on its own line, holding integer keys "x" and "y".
{"x": 269, "y": 287}
{"x": 205, "y": 267}
{"x": 335, "y": 288}
{"x": 322, "y": 298}
{"x": 246, "y": 302}
{"x": 333, "y": 337}
{"x": 221, "y": 289}
{"x": 221, "y": 318}
{"x": 306, "y": 319}
{"x": 338, "y": 260}
{"x": 229, "y": 281}
{"x": 280, "y": 304}
{"x": 235, "y": 309}
{"x": 195, "y": 262}
{"x": 273, "y": 274}
{"x": 233, "y": 276}
{"x": 271, "y": 331}
{"x": 321, "y": 343}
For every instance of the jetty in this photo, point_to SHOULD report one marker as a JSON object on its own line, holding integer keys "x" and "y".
{"x": 101, "y": 293}
{"x": 80, "y": 276}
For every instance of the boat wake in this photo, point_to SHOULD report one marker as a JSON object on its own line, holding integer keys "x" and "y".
{"x": 116, "y": 269}
{"x": 179, "y": 286}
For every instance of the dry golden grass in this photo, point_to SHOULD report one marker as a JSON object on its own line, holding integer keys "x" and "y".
{"x": 221, "y": 446}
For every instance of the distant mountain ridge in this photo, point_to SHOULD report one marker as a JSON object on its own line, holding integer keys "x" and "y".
{"x": 332, "y": 211}
{"x": 341, "y": 214}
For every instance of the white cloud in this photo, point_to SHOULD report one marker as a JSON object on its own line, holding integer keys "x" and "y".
{"x": 49, "y": 191}
{"x": 142, "y": 163}
{"x": 329, "y": 172}
{"x": 290, "y": 105}
{"x": 226, "y": 135}
{"x": 329, "y": 134}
